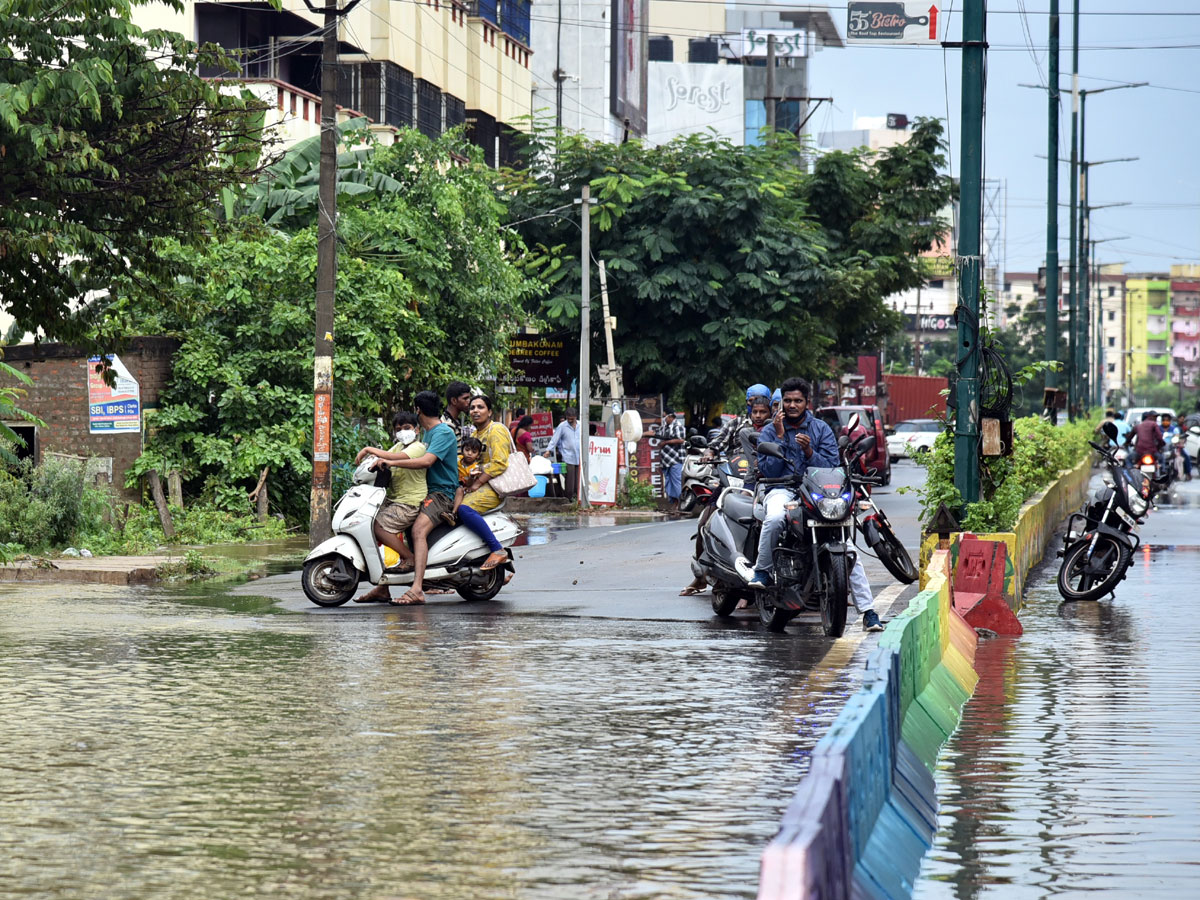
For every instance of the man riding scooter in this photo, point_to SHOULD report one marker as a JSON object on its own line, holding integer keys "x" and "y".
{"x": 805, "y": 440}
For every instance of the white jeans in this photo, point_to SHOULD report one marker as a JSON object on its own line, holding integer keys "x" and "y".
{"x": 774, "y": 521}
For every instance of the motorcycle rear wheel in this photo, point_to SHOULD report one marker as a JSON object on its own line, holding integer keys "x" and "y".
{"x": 1079, "y": 579}
{"x": 491, "y": 587}
{"x": 724, "y": 601}
{"x": 773, "y": 617}
{"x": 835, "y": 596}
{"x": 317, "y": 586}
{"x": 894, "y": 556}
{"x": 687, "y": 501}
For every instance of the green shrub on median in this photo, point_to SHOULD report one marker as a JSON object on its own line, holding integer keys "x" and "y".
{"x": 1040, "y": 452}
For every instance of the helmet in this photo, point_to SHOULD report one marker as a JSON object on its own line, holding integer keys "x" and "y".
{"x": 1149, "y": 414}
{"x": 757, "y": 390}
{"x": 776, "y": 397}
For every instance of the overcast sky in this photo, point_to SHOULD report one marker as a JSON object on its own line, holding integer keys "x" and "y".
{"x": 1117, "y": 44}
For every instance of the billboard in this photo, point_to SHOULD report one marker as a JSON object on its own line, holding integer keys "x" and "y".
{"x": 113, "y": 409}
{"x": 537, "y": 360}
{"x": 788, "y": 42}
{"x": 627, "y": 85}
{"x": 685, "y": 98}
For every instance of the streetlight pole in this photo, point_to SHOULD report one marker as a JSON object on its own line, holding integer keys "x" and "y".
{"x": 1052, "y": 286}
{"x": 585, "y": 202}
{"x": 1073, "y": 373}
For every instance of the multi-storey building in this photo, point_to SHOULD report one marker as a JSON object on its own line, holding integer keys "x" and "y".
{"x": 430, "y": 64}
{"x": 1107, "y": 316}
{"x": 1148, "y": 317}
{"x": 1185, "y": 332}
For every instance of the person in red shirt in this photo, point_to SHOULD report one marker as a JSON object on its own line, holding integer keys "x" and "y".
{"x": 1147, "y": 436}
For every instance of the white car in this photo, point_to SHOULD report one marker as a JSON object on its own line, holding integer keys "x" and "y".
{"x": 913, "y": 437}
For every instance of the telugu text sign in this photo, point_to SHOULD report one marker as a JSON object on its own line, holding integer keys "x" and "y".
{"x": 537, "y": 361}
{"x": 893, "y": 22}
{"x": 116, "y": 409}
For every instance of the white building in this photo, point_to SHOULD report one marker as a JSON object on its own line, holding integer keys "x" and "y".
{"x": 872, "y": 132}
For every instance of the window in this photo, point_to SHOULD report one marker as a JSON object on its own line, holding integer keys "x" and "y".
{"x": 1112, "y": 291}
{"x": 1112, "y": 342}
{"x": 1112, "y": 367}
{"x": 429, "y": 109}
{"x": 1112, "y": 316}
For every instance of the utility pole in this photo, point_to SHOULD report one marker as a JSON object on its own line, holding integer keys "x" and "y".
{"x": 585, "y": 337}
{"x": 966, "y": 432}
{"x": 917, "y": 339}
{"x": 770, "y": 93}
{"x": 1052, "y": 288}
{"x": 322, "y": 485}
{"x": 615, "y": 390}
{"x": 1073, "y": 373}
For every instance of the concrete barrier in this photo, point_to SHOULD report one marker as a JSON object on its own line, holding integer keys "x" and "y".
{"x": 1026, "y": 543}
{"x": 866, "y": 812}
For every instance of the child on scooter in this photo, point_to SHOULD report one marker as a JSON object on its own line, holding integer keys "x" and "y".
{"x": 468, "y": 468}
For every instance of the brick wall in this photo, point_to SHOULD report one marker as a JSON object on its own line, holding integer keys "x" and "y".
{"x": 59, "y": 397}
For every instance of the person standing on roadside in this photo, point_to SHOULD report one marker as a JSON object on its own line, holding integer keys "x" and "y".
{"x": 671, "y": 438}
{"x": 566, "y": 440}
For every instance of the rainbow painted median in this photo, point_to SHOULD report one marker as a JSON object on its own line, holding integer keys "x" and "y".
{"x": 866, "y": 812}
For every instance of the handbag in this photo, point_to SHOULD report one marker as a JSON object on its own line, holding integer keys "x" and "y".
{"x": 517, "y": 477}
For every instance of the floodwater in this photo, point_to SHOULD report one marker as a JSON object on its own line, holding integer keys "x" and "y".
{"x": 1074, "y": 770}
{"x": 181, "y": 743}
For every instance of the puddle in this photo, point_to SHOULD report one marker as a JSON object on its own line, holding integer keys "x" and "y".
{"x": 540, "y": 528}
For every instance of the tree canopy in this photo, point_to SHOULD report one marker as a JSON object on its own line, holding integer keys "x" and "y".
{"x": 731, "y": 265}
{"x": 109, "y": 141}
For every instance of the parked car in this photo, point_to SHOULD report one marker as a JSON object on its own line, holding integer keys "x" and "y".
{"x": 878, "y": 459}
{"x": 913, "y": 437}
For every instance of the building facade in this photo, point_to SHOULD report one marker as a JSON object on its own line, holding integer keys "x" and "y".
{"x": 429, "y": 64}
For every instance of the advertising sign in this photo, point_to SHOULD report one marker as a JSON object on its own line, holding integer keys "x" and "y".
{"x": 930, "y": 323}
{"x": 893, "y": 22}
{"x": 537, "y": 360}
{"x": 685, "y": 98}
{"x": 788, "y": 42}
{"x": 116, "y": 409}
{"x": 630, "y": 52}
{"x": 602, "y": 471}
{"x": 542, "y": 430}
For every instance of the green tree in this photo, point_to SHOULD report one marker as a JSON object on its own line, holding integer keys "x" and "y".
{"x": 730, "y": 265}
{"x": 110, "y": 141}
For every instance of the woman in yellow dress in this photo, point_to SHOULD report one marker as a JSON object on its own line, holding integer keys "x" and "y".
{"x": 479, "y": 498}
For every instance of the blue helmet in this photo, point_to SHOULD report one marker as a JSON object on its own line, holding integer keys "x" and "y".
{"x": 756, "y": 390}
{"x": 777, "y": 397}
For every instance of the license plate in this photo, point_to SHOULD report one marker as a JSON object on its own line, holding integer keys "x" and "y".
{"x": 1126, "y": 518}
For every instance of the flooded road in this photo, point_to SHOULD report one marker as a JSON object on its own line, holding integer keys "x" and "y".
{"x": 188, "y": 742}
{"x": 1074, "y": 769}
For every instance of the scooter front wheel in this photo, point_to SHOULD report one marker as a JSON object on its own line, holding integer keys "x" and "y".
{"x": 688, "y": 501}
{"x": 329, "y": 580}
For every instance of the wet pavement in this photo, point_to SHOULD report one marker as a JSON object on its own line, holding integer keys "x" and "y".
{"x": 588, "y": 734}
{"x": 1074, "y": 770}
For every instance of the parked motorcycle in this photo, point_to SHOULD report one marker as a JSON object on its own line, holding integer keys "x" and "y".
{"x": 1101, "y": 539}
{"x": 333, "y": 569}
{"x": 814, "y": 557}
{"x": 871, "y": 521}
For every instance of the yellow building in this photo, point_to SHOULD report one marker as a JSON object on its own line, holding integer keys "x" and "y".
{"x": 429, "y": 64}
{"x": 1148, "y": 320}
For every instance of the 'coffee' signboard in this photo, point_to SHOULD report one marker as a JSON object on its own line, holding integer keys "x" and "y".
{"x": 537, "y": 360}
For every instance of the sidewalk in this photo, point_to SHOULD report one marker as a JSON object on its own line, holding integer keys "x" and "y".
{"x": 97, "y": 570}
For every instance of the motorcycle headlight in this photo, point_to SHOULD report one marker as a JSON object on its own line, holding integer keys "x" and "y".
{"x": 833, "y": 508}
{"x": 1136, "y": 504}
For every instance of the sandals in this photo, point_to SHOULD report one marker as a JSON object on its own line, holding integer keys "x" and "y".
{"x": 494, "y": 560}
{"x": 691, "y": 590}
{"x": 409, "y": 599}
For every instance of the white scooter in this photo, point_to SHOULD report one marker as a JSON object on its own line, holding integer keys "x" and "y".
{"x": 334, "y": 568}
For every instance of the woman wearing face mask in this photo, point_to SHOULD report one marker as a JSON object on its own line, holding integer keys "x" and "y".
{"x": 404, "y": 496}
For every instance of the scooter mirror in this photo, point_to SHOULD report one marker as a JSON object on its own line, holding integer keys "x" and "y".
{"x": 1110, "y": 430}
{"x": 768, "y": 448}
{"x": 698, "y": 440}
{"x": 852, "y": 423}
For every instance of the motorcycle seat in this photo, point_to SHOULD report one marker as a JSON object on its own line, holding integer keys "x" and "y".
{"x": 739, "y": 507}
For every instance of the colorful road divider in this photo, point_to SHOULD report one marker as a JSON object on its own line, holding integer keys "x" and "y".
{"x": 866, "y": 811}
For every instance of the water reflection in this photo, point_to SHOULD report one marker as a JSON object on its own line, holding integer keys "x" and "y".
{"x": 161, "y": 744}
{"x": 1067, "y": 775}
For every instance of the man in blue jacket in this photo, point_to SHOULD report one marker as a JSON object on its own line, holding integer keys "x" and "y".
{"x": 805, "y": 441}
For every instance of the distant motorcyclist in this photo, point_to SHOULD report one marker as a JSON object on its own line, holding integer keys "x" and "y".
{"x": 1147, "y": 436}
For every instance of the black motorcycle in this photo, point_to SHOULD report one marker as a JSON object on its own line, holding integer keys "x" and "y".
{"x": 814, "y": 557}
{"x": 1101, "y": 539}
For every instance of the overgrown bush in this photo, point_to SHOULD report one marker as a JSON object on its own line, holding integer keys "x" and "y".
{"x": 640, "y": 493}
{"x": 42, "y": 506}
{"x": 1040, "y": 452}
